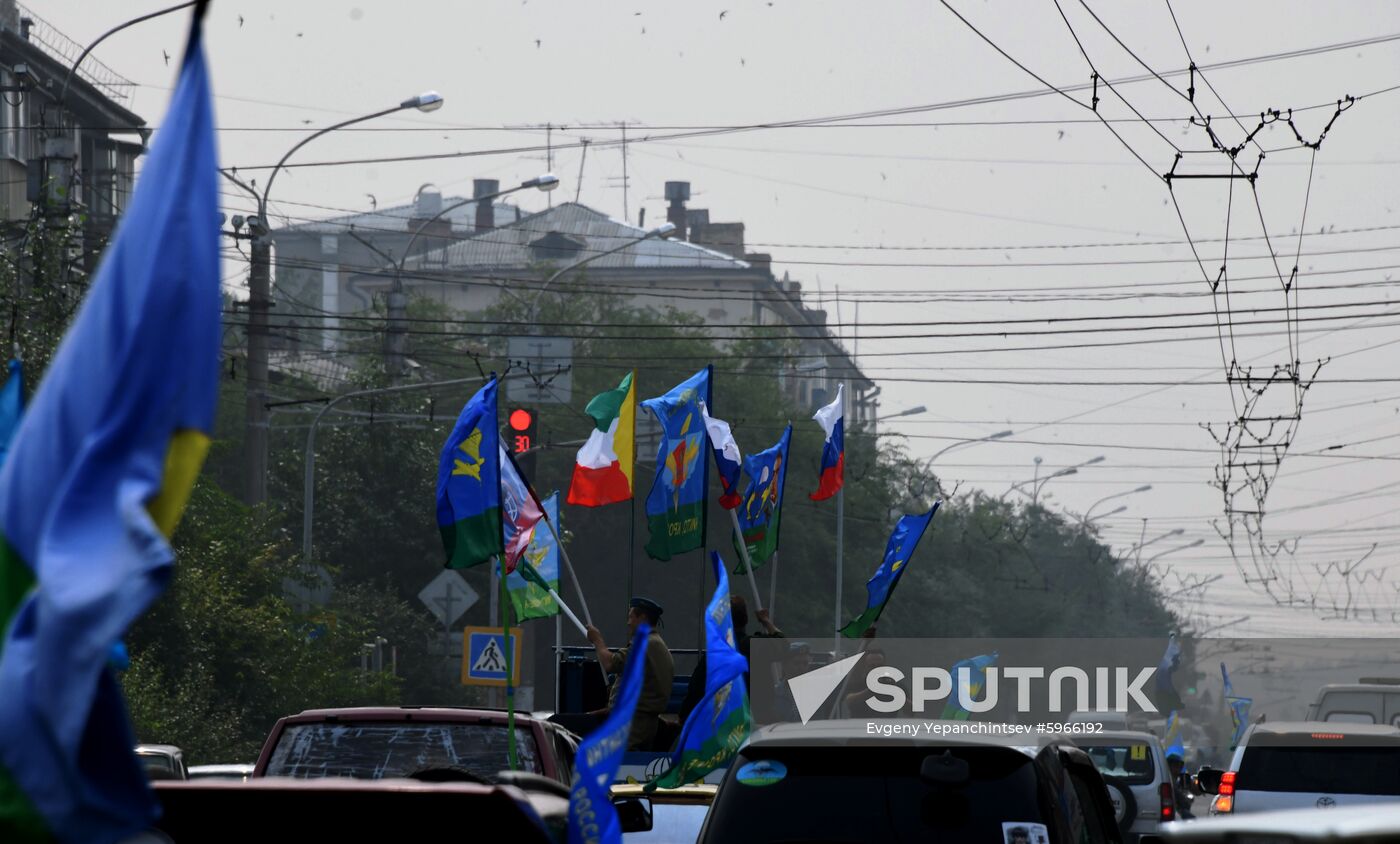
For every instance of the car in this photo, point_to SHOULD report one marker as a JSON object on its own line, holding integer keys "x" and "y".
{"x": 1139, "y": 782}
{"x": 404, "y": 741}
{"x": 278, "y": 809}
{"x": 1360, "y": 824}
{"x": 227, "y": 772}
{"x": 162, "y": 761}
{"x": 1374, "y": 700}
{"x": 833, "y": 781}
{"x": 1307, "y": 764}
{"x": 664, "y": 815}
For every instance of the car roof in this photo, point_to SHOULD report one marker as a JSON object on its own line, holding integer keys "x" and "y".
{"x": 162, "y": 749}
{"x": 1339, "y": 727}
{"x": 1117, "y": 735}
{"x": 1360, "y": 687}
{"x": 1344, "y": 823}
{"x": 460, "y": 714}
{"x": 854, "y": 730}
{"x": 229, "y": 768}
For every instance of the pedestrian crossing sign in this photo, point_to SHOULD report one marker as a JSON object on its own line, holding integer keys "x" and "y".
{"x": 484, "y": 656}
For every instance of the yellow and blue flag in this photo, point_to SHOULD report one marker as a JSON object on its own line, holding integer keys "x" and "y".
{"x": 903, "y": 540}
{"x": 761, "y": 508}
{"x": 676, "y": 503}
{"x": 98, "y": 473}
{"x": 975, "y": 670}
{"x": 1239, "y": 709}
{"x": 469, "y": 484}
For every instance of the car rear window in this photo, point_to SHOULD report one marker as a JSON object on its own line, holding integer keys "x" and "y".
{"x": 397, "y": 749}
{"x": 875, "y": 794}
{"x": 1334, "y": 769}
{"x": 1129, "y": 763}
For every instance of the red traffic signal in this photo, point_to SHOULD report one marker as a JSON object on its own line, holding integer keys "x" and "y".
{"x": 523, "y": 423}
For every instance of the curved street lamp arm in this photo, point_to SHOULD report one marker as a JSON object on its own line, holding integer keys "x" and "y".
{"x": 63, "y": 92}
{"x": 267, "y": 190}
{"x": 242, "y": 184}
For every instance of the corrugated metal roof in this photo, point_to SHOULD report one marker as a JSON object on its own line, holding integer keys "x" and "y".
{"x": 396, "y": 218}
{"x": 508, "y": 245}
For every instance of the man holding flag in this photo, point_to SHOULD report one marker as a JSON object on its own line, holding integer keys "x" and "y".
{"x": 655, "y": 693}
{"x": 97, "y": 476}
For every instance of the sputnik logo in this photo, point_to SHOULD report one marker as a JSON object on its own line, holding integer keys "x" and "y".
{"x": 811, "y": 690}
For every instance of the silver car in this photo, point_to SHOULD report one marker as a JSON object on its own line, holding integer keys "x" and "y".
{"x": 1139, "y": 783}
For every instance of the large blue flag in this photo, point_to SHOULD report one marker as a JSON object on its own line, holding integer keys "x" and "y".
{"x": 720, "y": 722}
{"x": 676, "y": 503}
{"x": 11, "y": 407}
{"x": 469, "y": 484}
{"x": 760, "y": 514}
{"x": 1165, "y": 695}
{"x": 903, "y": 540}
{"x": 592, "y": 818}
{"x": 1172, "y": 738}
{"x": 97, "y": 476}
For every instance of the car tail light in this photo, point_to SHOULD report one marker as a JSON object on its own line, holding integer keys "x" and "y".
{"x": 1168, "y": 802}
{"x": 1224, "y": 804}
{"x": 1227, "y": 784}
{"x": 1328, "y": 736}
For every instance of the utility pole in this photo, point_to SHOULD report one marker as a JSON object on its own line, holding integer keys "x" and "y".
{"x": 259, "y": 303}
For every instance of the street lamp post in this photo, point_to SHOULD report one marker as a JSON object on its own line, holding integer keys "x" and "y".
{"x": 937, "y": 454}
{"x": 259, "y": 300}
{"x": 661, "y": 231}
{"x": 1143, "y": 543}
{"x": 396, "y": 334}
{"x": 1160, "y": 554}
{"x": 1037, "y": 483}
{"x": 1120, "y": 508}
{"x": 1085, "y": 521}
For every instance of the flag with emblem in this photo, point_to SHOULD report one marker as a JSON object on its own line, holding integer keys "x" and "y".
{"x": 521, "y": 511}
{"x": 537, "y": 571}
{"x": 903, "y": 540}
{"x": 603, "y": 469}
{"x": 97, "y": 476}
{"x": 469, "y": 484}
{"x": 676, "y": 503}
{"x": 761, "y": 508}
{"x": 719, "y": 724}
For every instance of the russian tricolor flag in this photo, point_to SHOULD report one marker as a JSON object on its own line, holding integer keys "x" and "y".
{"x": 834, "y": 451}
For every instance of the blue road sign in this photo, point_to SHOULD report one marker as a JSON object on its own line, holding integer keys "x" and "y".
{"x": 484, "y": 656}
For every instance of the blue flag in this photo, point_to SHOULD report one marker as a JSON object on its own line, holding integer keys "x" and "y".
{"x": 676, "y": 503}
{"x": 1172, "y": 740}
{"x": 1239, "y": 709}
{"x": 720, "y": 722}
{"x": 903, "y": 540}
{"x": 469, "y": 484}
{"x": 1166, "y": 697}
{"x": 760, "y": 514}
{"x": 976, "y": 669}
{"x": 98, "y": 473}
{"x": 592, "y": 818}
{"x": 11, "y": 407}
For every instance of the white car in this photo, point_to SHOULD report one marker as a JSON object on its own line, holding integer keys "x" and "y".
{"x": 1307, "y": 765}
{"x": 1135, "y": 770}
{"x": 1361, "y": 824}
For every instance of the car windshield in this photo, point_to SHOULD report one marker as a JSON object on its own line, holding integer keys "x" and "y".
{"x": 1345, "y": 769}
{"x": 671, "y": 822}
{"x": 376, "y": 751}
{"x": 822, "y": 791}
{"x": 1129, "y": 762}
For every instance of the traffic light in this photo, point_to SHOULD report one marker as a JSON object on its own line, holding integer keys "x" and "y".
{"x": 522, "y": 433}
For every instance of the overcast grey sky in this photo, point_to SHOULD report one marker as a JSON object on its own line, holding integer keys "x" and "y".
{"x": 1007, "y": 175}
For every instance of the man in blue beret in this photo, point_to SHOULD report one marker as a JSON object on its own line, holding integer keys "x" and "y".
{"x": 656, "y": 680}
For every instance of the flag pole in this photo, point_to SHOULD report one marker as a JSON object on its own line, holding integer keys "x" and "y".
{"x": 570, "y": 613}
{"x": 748, "y": 561}
{"x": 510, "y": 676}
{"x": 840, "y": 546}
{"x": 773, "y": 586}
{"x": 564, "y": 554}
{"x": 558, "y": 651}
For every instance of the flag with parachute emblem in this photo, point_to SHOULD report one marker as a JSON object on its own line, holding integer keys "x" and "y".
{"x": 538, "y": 570}
{"x": 976, "y": 671}
{"x": 1239, "y": 709}
{"x": 760, "y": 514}
{"x": 676, "y": 503}
{"x": 469, "y": 484}
{"x": 903, "y": 540}
{"x": 96, "y": 479}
